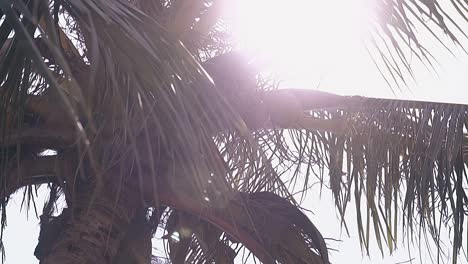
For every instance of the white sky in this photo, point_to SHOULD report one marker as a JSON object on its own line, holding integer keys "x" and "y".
{"x": 325, "y": 53}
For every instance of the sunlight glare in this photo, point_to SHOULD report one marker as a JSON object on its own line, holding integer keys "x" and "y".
{"x": 175, "y": 237}
{"x": 302, "y": 35}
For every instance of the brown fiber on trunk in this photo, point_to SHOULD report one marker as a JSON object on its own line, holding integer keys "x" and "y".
{"x": 92, "y": 234}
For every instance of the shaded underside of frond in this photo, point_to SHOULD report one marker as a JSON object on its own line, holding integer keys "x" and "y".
{"x": 273, "y": 229}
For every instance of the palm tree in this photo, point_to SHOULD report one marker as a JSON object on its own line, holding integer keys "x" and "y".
{"x": 139, "y": 115}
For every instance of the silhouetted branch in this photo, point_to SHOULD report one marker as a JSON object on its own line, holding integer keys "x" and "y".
{"x": 27, "y": 172}
{"x": 52, "y": 138}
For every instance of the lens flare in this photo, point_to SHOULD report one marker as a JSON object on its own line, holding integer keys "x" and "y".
{"x": 299, "y": 35}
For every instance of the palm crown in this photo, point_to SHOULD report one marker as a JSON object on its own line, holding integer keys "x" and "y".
{"x": 154, "y": 121}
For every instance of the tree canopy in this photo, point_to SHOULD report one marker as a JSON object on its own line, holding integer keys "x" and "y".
{"x": 142, "y": 114}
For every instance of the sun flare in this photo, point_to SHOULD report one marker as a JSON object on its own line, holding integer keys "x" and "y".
{"x": 302, "y": 35}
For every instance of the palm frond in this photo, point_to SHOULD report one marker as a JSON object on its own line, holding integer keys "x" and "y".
{"x": 272, "y": 228}
{"x": 403, "y": 157}
{"x": 400, "y": 28}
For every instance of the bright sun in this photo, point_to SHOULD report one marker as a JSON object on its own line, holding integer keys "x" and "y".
{"x": 322, "y": 44}
{"x": 299, "y": 35}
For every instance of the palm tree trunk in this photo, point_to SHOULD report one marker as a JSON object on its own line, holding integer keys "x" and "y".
{"x": 136, "y": 247}
{"x": 92, "y": 233}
